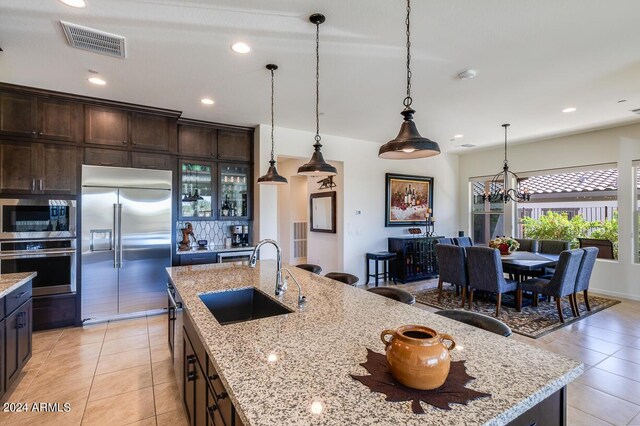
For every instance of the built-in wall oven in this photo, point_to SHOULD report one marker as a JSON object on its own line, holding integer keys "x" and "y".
{"x": 37, "y": 218}
{"x": 53, "y": 259}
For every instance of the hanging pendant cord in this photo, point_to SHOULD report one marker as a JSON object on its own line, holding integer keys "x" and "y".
{"x": 408, "y": 100}
{"x": 506, "y": 126}
{"x": 272, "y": 121}
{"x": 318, "y": 82}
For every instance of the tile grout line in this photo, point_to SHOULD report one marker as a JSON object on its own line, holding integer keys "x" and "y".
{"x": 589, "y": 414}
{"x": 84, "y": 411}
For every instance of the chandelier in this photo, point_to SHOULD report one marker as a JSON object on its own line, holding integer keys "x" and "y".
{"x": 499, "y": 187}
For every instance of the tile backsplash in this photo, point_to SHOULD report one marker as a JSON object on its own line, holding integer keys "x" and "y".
{"x": 213, "y": 231}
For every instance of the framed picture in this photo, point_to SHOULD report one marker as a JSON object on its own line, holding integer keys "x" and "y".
{"x": 323, "y": 212}
{"x": 408, "y": 199}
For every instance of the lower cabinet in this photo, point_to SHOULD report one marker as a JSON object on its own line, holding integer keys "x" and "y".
{"x": 197, "y": 258}
{"x": 54, "y": 311}
{"x": 2, "y": 388}
{"x": 205, "y": 399}
{"x": 17, "y": 330}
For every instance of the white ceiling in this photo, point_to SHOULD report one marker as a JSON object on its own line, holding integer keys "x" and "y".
{"x": 533, "y": 58}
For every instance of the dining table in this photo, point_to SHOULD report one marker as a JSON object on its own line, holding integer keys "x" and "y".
{"x": 525, "y": 263}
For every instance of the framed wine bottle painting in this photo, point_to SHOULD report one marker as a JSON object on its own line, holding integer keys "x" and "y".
{"x": 409, "y": 199}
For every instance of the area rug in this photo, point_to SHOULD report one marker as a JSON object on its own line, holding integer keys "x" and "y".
{"x": 531, "y": 322}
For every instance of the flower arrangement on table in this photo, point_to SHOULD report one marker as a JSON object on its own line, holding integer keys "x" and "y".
{"x": 506, "y": 245}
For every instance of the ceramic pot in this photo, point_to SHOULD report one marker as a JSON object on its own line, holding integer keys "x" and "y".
{"x": 417, "y": 356}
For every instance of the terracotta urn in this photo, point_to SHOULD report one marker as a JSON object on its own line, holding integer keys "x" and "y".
{"x": 417, "y": 356}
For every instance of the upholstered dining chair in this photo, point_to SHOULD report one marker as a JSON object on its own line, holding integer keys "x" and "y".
{"x": 477, "y": 320}
{"x": 444, "y": 241}
{"x": 485, "y": 273}
{"x": 561, "y": 284}
{"x": 463, "y": 241}
{"x": 527, "y": 244}
{"x": 584, "y": 276}
{"x": 343, "y": 277}
{"x": 553, "y": 246}
{"x": 316, "y": 269}
{"x": 452, "y": 268}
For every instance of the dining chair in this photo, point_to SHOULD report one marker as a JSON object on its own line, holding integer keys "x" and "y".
{"x": 343, "y": 277}
{"x": 463, "y": 241}
{"x": 477, "y": 320}
{"x": 316, "y": 269}
{"x": 527, "y": 244}
{"x": 605, "y": 247}
{"x": 561, "y": 284}
{"x": 452, "y": 268}
{"x": 485, "y": 273}
{"x": 444, "y": 241}
{"x": 584, "y": 276}
{"x": 553, "y": 246}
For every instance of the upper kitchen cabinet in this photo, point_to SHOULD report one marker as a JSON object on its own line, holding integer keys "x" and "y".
{"x": 138, "y": 130}
{"x": 207, "y": 140}
{"x": 197, "y": 141}
{"x": 31, "y": 116}
{"x": 36, "y": 168}
{"x": 234, "y": 145}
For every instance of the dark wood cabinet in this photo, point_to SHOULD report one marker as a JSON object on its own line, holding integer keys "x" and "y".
{"x": 36, "y": 168}
{"x": 106, "y": 126}
{"x": 205, "y": 399}
{"x": 54, "y": 311}
{"x": 197, "y": 258}
{"x": 234, "y": 145}
{"x": 107, "y": 157}
{"x": 18, "y": 331}
{"x": 415, "y": 258}
{"x": 18, "y": 115}
{"x": 197, "y": 141}
{"x": 144, "y": 160}
{"x": 149, "y": 131}
{"x": 39, "y": 117}
{"x": 2, "y": 357}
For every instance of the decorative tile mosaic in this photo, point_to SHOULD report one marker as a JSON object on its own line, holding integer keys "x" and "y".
{"x": 213, "y": 231}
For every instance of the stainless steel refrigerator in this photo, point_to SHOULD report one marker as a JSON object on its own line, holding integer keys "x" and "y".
{"x": 126, "y": 241}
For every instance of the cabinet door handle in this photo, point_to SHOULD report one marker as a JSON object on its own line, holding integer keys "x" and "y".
{"x": 33, "y": 133}
{"x": 124, "y": 142}
{"x": 106, "y": 164}
{"x": 41, "y": 184}
{"x": 33, "y": 184}
{"x": 135, "y": 143}
{"x": 22, "y": 293}
{"x": 19, "y": 323}
{"x": 213, "y": 409}
{"x": 214, "y": 377}
{"x": 40, "y": 133}
{"x": 222, "y": 396}
{"x": 191, "y": 360}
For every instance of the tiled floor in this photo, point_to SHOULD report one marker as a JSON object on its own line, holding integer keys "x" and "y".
{"x": 120, "y": 373}
{"x": 112, "y": 374}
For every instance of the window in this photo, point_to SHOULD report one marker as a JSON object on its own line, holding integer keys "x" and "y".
{"x": 487, "y": 218}
{"x": 570, "y": 205}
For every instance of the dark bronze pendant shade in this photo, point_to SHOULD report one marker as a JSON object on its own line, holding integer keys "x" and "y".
{"x": 272, "y": 177}
{"x": 317, "y": 166}
{"x": 409, "y": 143}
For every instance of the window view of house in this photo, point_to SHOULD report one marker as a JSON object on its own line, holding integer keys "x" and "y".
{"x": 487, "y": 216}
{"x": 580, "y": 207}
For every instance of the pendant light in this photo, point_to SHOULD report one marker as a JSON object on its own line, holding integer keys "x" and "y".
{"x": 272, "y": 177}
{"x": 499, "y": 186}
{"x": 317, "y": 166}
{"x": 408, "y": 144}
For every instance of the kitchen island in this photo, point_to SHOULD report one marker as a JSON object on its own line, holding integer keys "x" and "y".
{"x": 294, "y": 369}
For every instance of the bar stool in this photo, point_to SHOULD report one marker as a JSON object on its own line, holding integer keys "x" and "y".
{"x": 385, "y": 257}
{"x": 395, "y": 294}
{"x": 343, "y": 277}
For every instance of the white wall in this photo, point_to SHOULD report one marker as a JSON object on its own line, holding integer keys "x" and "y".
{"x": 619, "y": 145}
{"x": 364, "y": 189}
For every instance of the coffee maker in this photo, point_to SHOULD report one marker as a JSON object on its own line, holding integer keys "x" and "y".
{"x": 236, "y": 236}
{"x": 245, "y": 235}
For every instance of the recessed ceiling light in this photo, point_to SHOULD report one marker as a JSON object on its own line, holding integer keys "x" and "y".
{"x": 622, "y": 101}
{"x": 75, "y": 3}
{"x": 97, "y": 81}
{"x": 467, "y": 74}
{"x": 458, "y": 136}
{"x": 570, "y": 109}
{"x": 240, "y": 47}
{"x": 207, "y": 101}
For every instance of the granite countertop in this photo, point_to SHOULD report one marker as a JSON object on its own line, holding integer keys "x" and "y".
{"x": 9, "y": 282}
{"x": 275, "y": 368}
{"x": 213, "y": 249}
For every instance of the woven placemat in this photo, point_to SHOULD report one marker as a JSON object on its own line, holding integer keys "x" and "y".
{"x": 452, "y": 392}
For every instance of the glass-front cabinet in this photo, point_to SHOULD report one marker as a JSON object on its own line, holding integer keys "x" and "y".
{"x": 197, "y": 190}
{"x": 234, "y": 186}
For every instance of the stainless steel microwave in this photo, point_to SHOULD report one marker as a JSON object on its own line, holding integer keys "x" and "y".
{"x": 37, "y": 218}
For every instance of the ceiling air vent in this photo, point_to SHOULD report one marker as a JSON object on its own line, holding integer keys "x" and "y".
{"x": 637, "y": 111}
{"x": 94, "y": 40}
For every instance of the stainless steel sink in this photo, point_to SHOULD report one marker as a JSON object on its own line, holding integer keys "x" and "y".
{"x": 233, "y": 306}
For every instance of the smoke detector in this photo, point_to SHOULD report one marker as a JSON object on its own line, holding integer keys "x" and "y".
{"x": 94, "y": 40}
